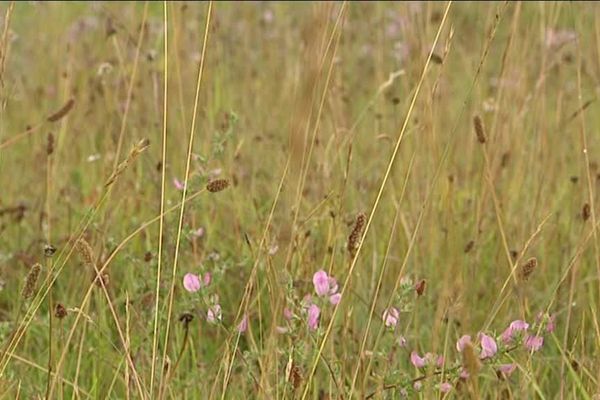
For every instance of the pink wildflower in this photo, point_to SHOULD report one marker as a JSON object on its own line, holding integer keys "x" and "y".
{"x": 313, "y": 317}
{"x": 533, "y": 343}
{"x": 214, "y": 314}
{"x": 243, "y": 325}
{"x": 191, "y": 282}
{"x": 445, "y": 387}
{"x": 488, "y": 346}
{"x": 178, "y": 184}
{"x": 391, "y": 316}
{"x": 507, "y": 369}
{"x": 416, "y": 360}
{"x": 462, "y": 342}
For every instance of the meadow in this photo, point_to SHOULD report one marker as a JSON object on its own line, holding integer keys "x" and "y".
{"x": 270, "y": 200}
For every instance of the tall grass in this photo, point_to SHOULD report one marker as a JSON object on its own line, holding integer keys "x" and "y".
{"x": 320, "y": 200}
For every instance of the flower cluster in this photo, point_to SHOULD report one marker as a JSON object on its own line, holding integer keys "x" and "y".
{"x": 325, "y": 287}
{"x": 487, "y": 348}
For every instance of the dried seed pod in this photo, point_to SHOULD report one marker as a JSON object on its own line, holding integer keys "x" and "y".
{"x": 356, "y": 234}
{"x": 31, "y": 280}
{"x": 528, "y": 268}
{"x": 479, "y": 130}
{"x": 586, "y": 212}
{"x": 420, "y": 287}
{"x": 49, "y": 250}
{"x": 64, "y": 110}
{"x": 60, "y": 311}
{"x": 217, "y": 185}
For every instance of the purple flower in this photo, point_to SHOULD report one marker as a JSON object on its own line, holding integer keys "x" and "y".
{"x": 313, "y": 317}
{"x": 462, "y": 342}
{"x": 178, "y": 184}
{"x": 416, "y": 360}
{"x": 515, "y": 327}
{"x": 507, "y": 369}
{"x": 518, "y": 326}
{"x": 445, "y": 387}
{"x": 488, "y": 346}
{"x": 335, "y": 298}
{"x": 191, "y": 282}
{"x": 206, "y": 279}
{"x": 321, "y": 282}
{"x": 214, "y": 314}
{"x": 391, "y": 316}
{"x": 533, "y": 343}
{"x": 326, "y": 285}
{"x": 243, "y": 325}
{"x": 507, "y": 336}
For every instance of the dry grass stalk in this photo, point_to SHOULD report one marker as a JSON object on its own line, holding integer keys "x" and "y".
{"x": 64, "y": 110}
{"x": 133, "y": 154}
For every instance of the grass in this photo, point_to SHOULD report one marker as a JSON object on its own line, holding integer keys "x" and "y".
{"x": 451, "y": 144}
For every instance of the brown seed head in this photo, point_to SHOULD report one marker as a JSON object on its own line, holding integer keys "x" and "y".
{"x": 356, "y": 234}
{"x": 50, "y": 144}
{"x": 217, "y": 185}
{"x": 31, "y": 280}
{"x": 60, "y": 311}
{"x": 528, "y": 268}
{"x": 420, "y": 287}
{"x": 479, "y": 130}
{"x": 586, "y": 212}
{"x": 86, "y": 253}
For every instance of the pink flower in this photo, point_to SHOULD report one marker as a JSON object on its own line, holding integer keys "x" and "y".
{"x": 191, "y": 282}
{"x": 206, "y": 279}
{"x": 335, "y": 298}
{"x": 417, "y": 385}
{"x": 326, "y": 285}
{"x": 214, "y": 314}
{"x": 243, "y": 325}
{"x": 507, "y": 336}
{"x": 462, "y": 342}
{"x": 533, "y": 343}
{"x": 507, "y": 369}
{"x": 518, "y": 326}
{"x": 488, "y": 346}
{"x": 390, "y": 317}
{"x": 464, "y": 374}
{"x": 178, "y": 184}
{"x": 287, "y": 314}
{"x": 198, "y": 232}
{"x": 515, "y": 327}
{"x": 313, "y": 317}
{"x": 445, "y": 387}
{"x": 321, "y": 282}
{"x": 416, "y": 360}
{"x": 439, "y": 361}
